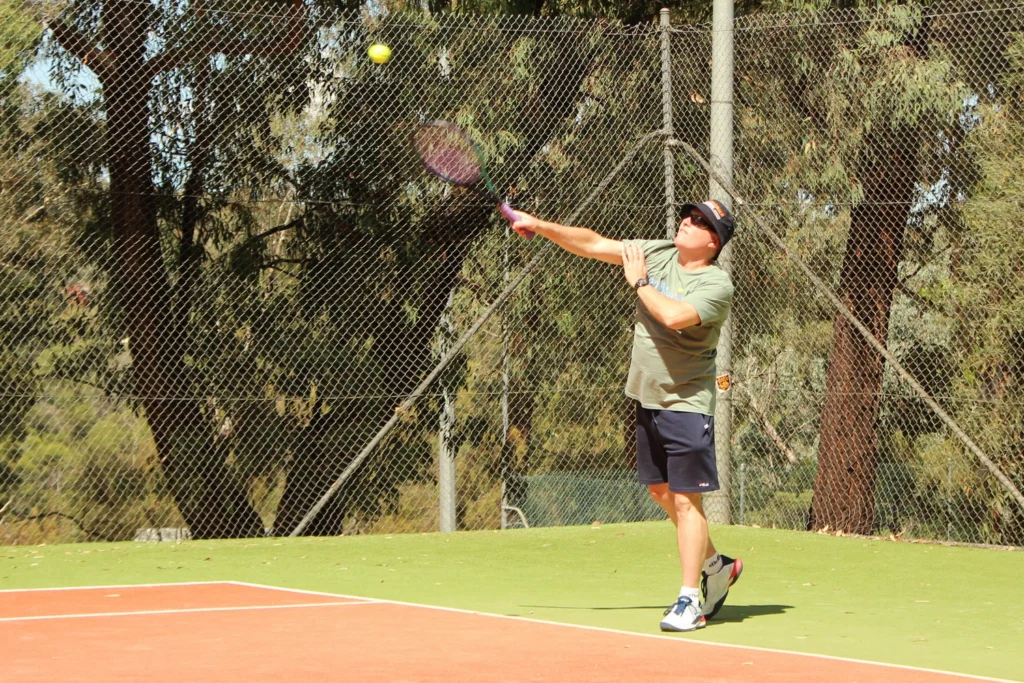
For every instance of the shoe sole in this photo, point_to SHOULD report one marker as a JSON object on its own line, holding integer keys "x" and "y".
{"x": 672, "y": 629}
{"x": 737, "y": 569}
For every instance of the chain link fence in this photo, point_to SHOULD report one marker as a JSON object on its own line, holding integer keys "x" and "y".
{"x": 224, "y": 271}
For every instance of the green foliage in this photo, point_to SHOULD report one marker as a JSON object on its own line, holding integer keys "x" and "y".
{"x": 850, "y": 86}
{"x": 91, "y": 462}
{"x": 768, "y": 495}
{"x": 43, "y": 469}
{"x": 19, "y": 32}
{"x": 309, "y": 260}
{"x": 783, "y": 510}
{"x": 985, "y": 289}
{"x": 586, "y": 497}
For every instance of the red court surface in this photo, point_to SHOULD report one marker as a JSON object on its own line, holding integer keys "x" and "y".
{"x": 233, "y": 632}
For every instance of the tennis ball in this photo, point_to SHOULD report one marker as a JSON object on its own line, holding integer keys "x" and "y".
{"x": 379, "y": 53}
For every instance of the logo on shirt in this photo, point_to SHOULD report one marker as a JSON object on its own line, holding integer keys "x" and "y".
{"x": 664, "y": 288}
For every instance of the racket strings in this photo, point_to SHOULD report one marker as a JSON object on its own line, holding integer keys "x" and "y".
{"x": 447, "y": 153}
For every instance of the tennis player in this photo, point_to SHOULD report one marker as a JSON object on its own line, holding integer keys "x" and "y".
{"x": 683, "y": 299}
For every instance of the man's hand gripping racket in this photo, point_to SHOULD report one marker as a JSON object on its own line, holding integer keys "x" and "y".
{"x": 448, "y": 153}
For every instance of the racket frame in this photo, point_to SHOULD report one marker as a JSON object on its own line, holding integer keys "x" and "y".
{"x": 490, "y": 193}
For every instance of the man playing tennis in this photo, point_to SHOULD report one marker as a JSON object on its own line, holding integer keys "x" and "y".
{"x": 683, "y": 300}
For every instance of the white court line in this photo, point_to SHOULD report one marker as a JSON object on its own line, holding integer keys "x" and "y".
{"x": 194, "y": 610}
{"x": 303, "y": 591}
{"x": 121, "y": 585}
{"x": 361, "y": 600}
{"x": 674, "y": 639}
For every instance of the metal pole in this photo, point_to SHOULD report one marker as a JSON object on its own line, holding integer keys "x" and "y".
{"x": 869, "y": 337}
{"x": 504, "y": 465}
{"x": 743, "y": 489}
{"x": 666, "y": 123}
{"x": 949, "y": 498}
{"x": 718, "y": 504}
{"x": 446, "y": 431}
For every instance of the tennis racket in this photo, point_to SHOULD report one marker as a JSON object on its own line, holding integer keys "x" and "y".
{"x": 448, "y": 153}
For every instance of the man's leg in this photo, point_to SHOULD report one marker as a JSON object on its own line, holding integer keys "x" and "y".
{"x": 666, "y": 499}
{"x": 692, "y": 540}
{"x": 663, "y": 497}
{"x": 717, "y": 572}
{"x": 653, "y": 468}
{"x": 691, "y": 535}
{"x": 689, "y": 444}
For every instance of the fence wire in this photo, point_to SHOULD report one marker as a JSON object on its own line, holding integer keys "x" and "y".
{"x": 223, "y": 268}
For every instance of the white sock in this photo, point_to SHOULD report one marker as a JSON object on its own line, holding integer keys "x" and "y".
{"x": 713, "y": 564}
{"x": 692, "y": 593}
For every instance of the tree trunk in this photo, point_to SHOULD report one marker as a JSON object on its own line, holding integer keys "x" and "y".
{"x": 317, "y": 465}
{"x": 847, "y": 455}
{"x": 212, "y": 504}
{"x": 410, "y": 350}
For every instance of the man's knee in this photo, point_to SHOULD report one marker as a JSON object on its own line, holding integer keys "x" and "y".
{"x": 686, "y": 503}
{"x": 660, "y": 493}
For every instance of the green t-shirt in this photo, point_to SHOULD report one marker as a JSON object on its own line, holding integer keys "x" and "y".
{"x": 675, "y": 369}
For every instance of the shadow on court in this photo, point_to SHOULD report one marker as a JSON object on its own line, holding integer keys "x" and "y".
{"x": 728, "y": 613}
{"x": 735, "y": 613}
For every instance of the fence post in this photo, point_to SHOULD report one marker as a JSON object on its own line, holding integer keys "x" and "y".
{"x": 666, "y": 122}
{"x": 446, "y": 429}
{"x": 718, "y": 507}
{"x": 743, "y": 490}
{"x": 503, "y": 467}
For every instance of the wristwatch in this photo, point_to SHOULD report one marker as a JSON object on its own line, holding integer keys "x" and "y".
{"x": 642, "y": 282}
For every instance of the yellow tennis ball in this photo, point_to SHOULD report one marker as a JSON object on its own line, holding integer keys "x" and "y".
{"x": 379, "y": 53}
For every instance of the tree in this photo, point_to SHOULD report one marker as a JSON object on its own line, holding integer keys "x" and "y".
{"x": 111, "y": 40}
{"x": 984, "y": 299}
{"x": 870, "y": 122}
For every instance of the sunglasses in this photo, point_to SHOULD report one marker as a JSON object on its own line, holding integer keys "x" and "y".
{"x": 699, "y": 220}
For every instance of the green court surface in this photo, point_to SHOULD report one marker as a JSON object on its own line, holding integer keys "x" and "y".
{"x": 948, "y": 608}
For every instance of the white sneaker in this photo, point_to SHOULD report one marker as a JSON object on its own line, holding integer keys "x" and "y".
{"x": 684, "y": 615}
{"x": 716, "y": 586}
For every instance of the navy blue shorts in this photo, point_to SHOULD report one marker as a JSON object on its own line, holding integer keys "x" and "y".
{"x": 677, "y": 448}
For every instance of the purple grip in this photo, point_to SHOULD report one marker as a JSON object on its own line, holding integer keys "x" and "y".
{"x": 511, "y": 216}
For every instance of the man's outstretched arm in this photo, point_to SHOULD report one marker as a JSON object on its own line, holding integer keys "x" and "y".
{"x": 580, "y": 241}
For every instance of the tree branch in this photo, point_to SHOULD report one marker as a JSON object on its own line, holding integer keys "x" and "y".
{"x": 277, "y": 261}
{"x": 910, "y": 276}
{"x": 233, "y": 47}
{"x": 273, "y": 231}
{"x": 768, "y": 427}
{"x": 271, "y": 266}
{"x": 28, "y": 517}
{"x": 74, "y": 42}
{"x": 901, "y": 286}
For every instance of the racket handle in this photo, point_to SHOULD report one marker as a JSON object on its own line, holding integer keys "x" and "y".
{"x": 511, "y": 216}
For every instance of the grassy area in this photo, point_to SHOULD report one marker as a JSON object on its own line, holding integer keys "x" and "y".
{"x": 957, "y": 609}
